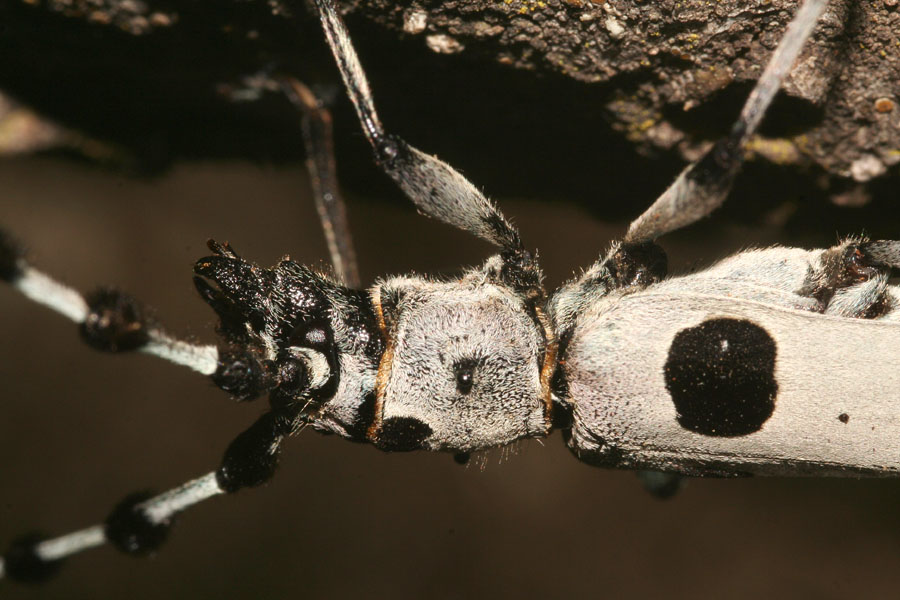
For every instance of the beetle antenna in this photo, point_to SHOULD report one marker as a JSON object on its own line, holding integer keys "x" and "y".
{"x": 108, "y": 320}
{"x": 702, "y": 186}
{"x": 320, "y": 164}
{"x": 437, "y": 189}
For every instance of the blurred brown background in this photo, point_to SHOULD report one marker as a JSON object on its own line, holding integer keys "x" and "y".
{"x": 79, "y": 429}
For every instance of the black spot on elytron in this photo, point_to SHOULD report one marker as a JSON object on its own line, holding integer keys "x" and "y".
{"x": 461, "y": 458}
{"x": 130, "y": 530}
{"x": 721, "y": 375}
{"x": 402, "y": 434}
{"x": 21, "y": 562}
{"x": 115, "y": 322}
{"x": 844, "y": 418}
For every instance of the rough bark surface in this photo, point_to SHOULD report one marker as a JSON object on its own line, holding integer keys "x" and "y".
{"x": 666, "y": 60}
{"x": 667, "y": 73}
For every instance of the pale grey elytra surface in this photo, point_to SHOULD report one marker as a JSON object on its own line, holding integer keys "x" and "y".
{"x": 837, "y": 380}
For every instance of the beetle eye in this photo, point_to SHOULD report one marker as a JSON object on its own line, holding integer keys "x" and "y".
{"x": 465, "y": 376}
{"x": 293, "y": 375}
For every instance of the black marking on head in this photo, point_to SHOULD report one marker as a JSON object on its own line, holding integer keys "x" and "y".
{"x": 21, "y": 562}
{"x": 242, "y": 289}
{"x": 402, "y": 434}
{"x": 464, "y": 371}
{"x": 241, "y": 374}
{"x": 317, "y": 335}
{"x": 361, "y": 326}
{"x": 116, "y": 322}
{"x": 11, "y": 254}
{"x": 721, "y": 375}
{"x": 130, "y": 530}
{"x": 231, "y": 318}
{"x": 251, "y": 458}
{"x": 844, "y": 418}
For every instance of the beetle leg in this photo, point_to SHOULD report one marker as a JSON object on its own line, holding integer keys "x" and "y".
{"x": 320, "y": 163}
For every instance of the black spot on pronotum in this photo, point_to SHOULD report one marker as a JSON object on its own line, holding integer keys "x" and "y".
{"x": 465, "y": 377}
{"x": 721, "y": 375}
{"x": 844, "y": 418}
{"x": 464, "y": 372}
{"x": 116, "y": 322}
{"x": 23, "y": 564}
{"x": 402, "y": 434}
{"x": 130, "y": 530}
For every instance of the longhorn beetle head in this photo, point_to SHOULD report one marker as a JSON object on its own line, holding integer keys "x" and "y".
{"x": 455, "y": 365}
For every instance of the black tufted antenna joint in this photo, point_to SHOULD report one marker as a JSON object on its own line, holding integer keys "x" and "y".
{"x": 116, "y": 322}
{"x": 23, "y": 564}
{"x": 131, "y": 531}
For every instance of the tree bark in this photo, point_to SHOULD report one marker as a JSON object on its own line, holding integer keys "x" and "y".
{"x": 669, "y": 75}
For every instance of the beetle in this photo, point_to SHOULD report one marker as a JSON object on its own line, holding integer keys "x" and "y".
{"x": 396, "y": 430}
